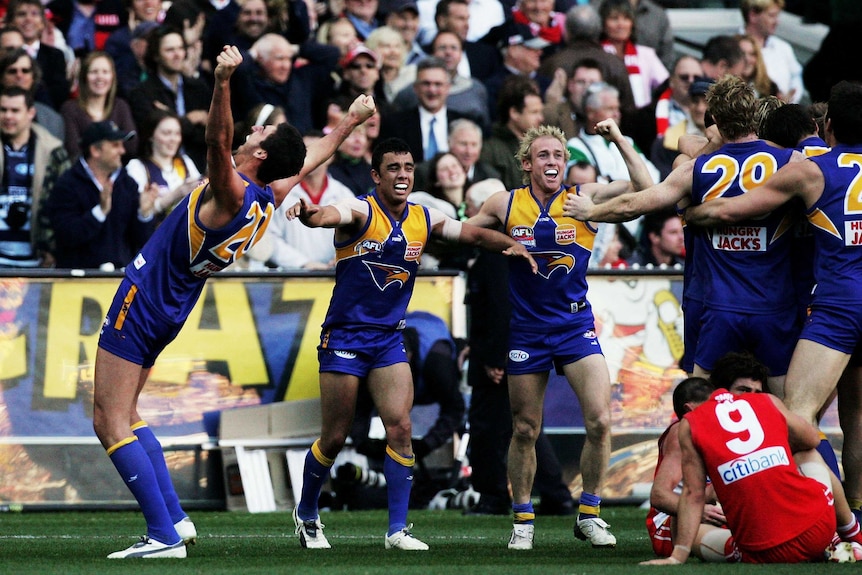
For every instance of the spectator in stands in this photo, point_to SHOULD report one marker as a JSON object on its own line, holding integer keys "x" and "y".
{"x": 129, "y": 64}
{"x": 761, "y": 20}
{"x": 121, "y": 43}
{"x": 360, "y": 71}
{"x": 478, "y": 60}
{"x": 162, "y": 162}
{"x": 18, "y": 68}
{"x": 665, "y": 149}
{"x": 10, "y": 39}
{"x": 467, "y": 97}
{"x": 584, "y": 30}
{"x": 291, "y": 245}
{"x": 403, "y": 16}
{"x": 521, "y": 50}
{"x": 97, "y": 101}
{"x": 98, "y": 218}
{"x": 600, "y": 103}
{"x": 167, "y": 87}
{"x": 662, "y": 242}
{"x": 240, "y": 27}
{"x": 465, "y": 142}
{"x": 339, "y": 33}
{"x": 567, "y": 113}
{"x": 519, "y": 108}
{"x": 654, "y": 29}
{"x": 350, "y": 166}
{"x": 425, "y": 128}
{"x": 86, "y": 27}
{"x": 395, "y": 73}
{"x": 645, "y": 70}
{"x": 270, "y": 78}
{"x": 722, "y": 55}
{"x": 540, "y": 16}
{"x": 28, "y": 17}
{"x": 755, "y": 68}
{"x": 30, "y": 164}
{"x": 671, "y": 107}
{"x": 363, "y": 15}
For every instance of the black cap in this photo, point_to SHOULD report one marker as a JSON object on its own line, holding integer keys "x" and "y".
{"x": 100, "y": 131}
{"x": 397, "y": 6}
{"x": 699, "y": 86}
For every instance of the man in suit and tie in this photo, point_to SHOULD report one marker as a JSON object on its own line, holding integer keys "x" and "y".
{"x": 425, "y": 128}
{"x": 479, "y": 60}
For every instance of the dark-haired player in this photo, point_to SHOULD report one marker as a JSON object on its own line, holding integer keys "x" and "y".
{"x": 210, "y": 229}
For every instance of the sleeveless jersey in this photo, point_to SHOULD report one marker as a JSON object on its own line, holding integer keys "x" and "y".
{"x": 743, "y": 442}
{"x": 376, "y": 269}
{"x": 561, "y": 247}
{"x": 746, "y": 264}
{"x": 837, "y": 221}
{"x": 171, "y": 269}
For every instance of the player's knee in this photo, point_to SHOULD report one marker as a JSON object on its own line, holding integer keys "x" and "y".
{"x": 598, "y": 425}
{"x": 525, "y": 430}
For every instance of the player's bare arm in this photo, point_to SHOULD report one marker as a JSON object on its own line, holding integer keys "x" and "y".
{"x": 344, "y": 214}
{"x": 492, "y": 213}
{"x": 633, "y": 204}
{"x": 361, "y": 109}
{"x": 225, "y": 184}
{"x": 796, "y": 179}
{"x": 638, "y": 171}
{"x": 494, "y": 241}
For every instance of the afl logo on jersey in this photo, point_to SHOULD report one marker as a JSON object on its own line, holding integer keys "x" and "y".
{"x": 524, "y": 235}
{"x": 413, "y": 251}
{"x": 565, "y": 234}
{"x": 368, "y": 246}
{"x": 518, "y": 355}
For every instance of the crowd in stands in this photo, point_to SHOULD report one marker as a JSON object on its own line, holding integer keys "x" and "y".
{"x": 461, "y": 81}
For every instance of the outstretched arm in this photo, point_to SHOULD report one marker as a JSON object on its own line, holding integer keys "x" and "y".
{"x": 638, "y": 171}
{"x": 338, "y": 215}
{"x": 224, "y": 182}
{"x": 360, "y": 110}
{"x": 630, "y": 205}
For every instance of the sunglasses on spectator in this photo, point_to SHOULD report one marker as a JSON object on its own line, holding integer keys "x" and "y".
{"x": 359, "y": 66}
{"x": 19, "y": 70}
{"x": 686, "y": 77}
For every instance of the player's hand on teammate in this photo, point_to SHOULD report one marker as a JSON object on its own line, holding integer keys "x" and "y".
{"x": 609, "y": 130}
{"x": 227, "y": 62}
{"x": 519, "y": 251}
{"x": 362, "y": 108}
{"x": 578, "y": 206}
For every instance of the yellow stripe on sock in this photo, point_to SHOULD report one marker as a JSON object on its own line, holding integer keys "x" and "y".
{"x": 589, "y": 509}
{"x": 319, "y": 456}
{"x": 405, "y": 461}
{"x": 120, "y": 443}
{"x": 139, "y": 425}
{"x": 524, "y": 517}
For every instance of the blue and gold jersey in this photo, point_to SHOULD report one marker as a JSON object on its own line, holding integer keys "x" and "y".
{"x": 836, "y": 218}
{"x": 561, "y": 247}
{"x": 746, "y": 264}
{"x": 375, "y": 270}
{"x": 174, "y": 264}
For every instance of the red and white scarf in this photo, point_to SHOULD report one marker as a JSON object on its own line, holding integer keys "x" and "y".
{"x": 552, "y": 32}
{"x": 630, "y": 58}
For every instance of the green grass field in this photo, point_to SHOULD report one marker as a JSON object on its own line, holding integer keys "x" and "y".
{"x": 73, "y": 543}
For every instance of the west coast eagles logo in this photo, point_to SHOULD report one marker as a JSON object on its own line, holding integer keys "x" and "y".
{"x": 550, "y": 261}
{"x": 385, "y": 275}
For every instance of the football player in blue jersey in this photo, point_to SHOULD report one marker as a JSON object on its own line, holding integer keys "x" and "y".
{"x": 379, "y": 239}
{"x": 212, "y": 227}
{"x": 552, "y": 324}
{"x": 829, "y": 186}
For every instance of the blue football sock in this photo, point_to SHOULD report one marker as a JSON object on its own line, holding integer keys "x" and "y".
{"x": 134, "y": 466}
{"x": 398, "y": 471}
{"x": 589, "y": 505}
{"x": 828, "y": 454}
{"x": 523, "y": 513}
{"x": 157, "y": 457}
{"x": 314, "y": 475}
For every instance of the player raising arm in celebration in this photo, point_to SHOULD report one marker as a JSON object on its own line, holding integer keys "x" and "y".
{"x": 552, "y": 324}
{"x": 379, "y": 239}
{"x": 212, "y": 227}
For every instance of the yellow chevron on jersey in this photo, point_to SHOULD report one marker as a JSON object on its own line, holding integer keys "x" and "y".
{"x": 525, "y": 208}
{"x": 236, "y": 245}
{"x": 818, "y": 218}
{"x": 379, "y": 228}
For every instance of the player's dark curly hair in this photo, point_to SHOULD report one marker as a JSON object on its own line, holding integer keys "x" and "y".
{"x": 692, "y": 389}
{"x": 387, "y": 146}
{"x": 285, "y": 154}
{"x": 733, "y": 366}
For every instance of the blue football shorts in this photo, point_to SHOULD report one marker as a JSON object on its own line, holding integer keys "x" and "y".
{"x": 531, "y": 352}
{"x": 133, "y": 331}
{"x": 836, "y": 327}
{"x": 357, "y": 352}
